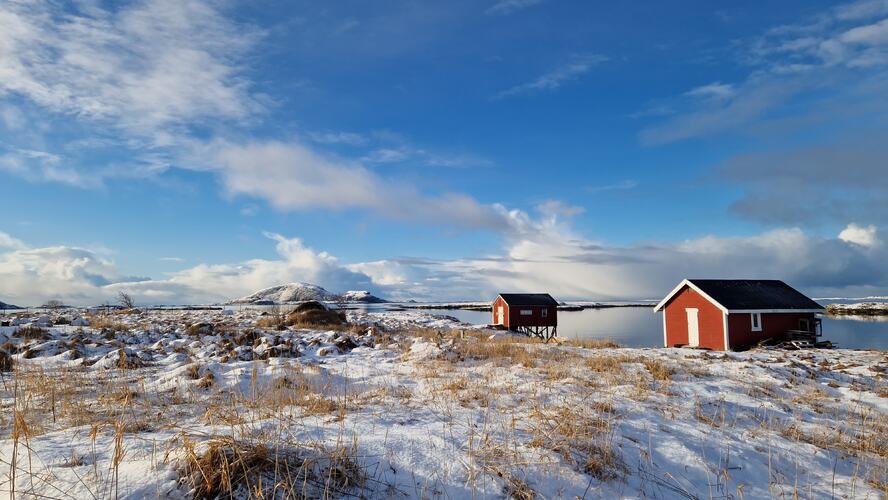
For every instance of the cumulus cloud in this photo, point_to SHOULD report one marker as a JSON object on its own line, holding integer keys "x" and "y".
{"x": 544, "y": 255}
{"x": 864, "y": 236}
{"x": 7, "y": 241}
{"x": 30, "y": 276}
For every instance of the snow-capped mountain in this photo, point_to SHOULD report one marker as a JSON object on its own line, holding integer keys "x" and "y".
{"x": 283, "y": 294}
{"x": 301, "y": 292}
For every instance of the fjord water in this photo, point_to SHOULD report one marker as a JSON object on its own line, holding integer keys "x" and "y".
{"x": 641, "y": 327}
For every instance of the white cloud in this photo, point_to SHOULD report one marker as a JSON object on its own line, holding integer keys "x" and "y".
{"x": 540, "y": 255}
{"x": 145, "y": 67}
{"x": 293, "y": 177}
{"x": 348, "y": 138}
{"x": 816, "y": 57}
{"x": 505, "y": 7}
{"x": 873, "y": 34}
{"x": 557, "y": 77}
{"x": 864, "y": 236}
{"x": 715, "y": 90}
{"x": 7, "y": 241}
{"x": 151, "y": 72}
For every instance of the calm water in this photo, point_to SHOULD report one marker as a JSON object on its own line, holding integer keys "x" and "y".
{"x": 640, "y": 327}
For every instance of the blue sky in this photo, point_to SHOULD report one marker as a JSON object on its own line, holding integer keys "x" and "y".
{"x": 190, "y": 151}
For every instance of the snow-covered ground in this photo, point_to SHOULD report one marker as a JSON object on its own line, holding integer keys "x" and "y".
{"x": 859, "y": 308}
{"x": 410, "y": 404}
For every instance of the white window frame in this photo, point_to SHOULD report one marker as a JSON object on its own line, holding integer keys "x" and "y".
{"x": 526, "y": 312}
{"x": 756, "y": 321}
{"x": 544, "y": 313}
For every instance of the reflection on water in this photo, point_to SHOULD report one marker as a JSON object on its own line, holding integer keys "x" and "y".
{"x": 628, "y": 326}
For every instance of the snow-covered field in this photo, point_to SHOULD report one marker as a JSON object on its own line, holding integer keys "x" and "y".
{"x": 859, "y": 308}
{"x": 408, "y": 404}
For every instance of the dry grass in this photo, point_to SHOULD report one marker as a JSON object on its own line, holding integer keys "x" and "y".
{"x": 106, "y": 322}
{"x": 31, "y": 333}
{"x": 581, "y": 438}
{"x": 312, "y": 318}
{"x": 228, "y": 468}
{"x": 593, "y": 343}
{"x": 661, "y": 371}
{"x": 6, "y": 363}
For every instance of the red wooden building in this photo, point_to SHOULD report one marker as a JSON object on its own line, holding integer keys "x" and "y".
{"x": 725, "y": 315}
{"x": 530, "y": 313}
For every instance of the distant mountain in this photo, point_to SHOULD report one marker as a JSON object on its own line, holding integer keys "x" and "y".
{"x": 284, "y": 294}
{"x": 361, "y": 296}
{"x": 4, "y": 305}
{"x": 301, "y": 292}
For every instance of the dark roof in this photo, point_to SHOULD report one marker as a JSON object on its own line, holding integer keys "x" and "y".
{"x": 755, "y": 294}
{"x": 529, "y": 299}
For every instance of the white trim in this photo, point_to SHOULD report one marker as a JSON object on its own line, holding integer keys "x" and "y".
{"x": 665, "y": 337}
{"x": 727, "y": 331}
{"x": 756, "y": 326}
{"x": 686, "y": 282}
{"x": 768, "y": 311}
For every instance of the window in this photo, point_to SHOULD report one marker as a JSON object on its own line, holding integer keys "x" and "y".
{"x": 804, "y": 326}
{"x": 756, "y": 322}
{"x": 544, "y": 313}
{"x": 527, "y": 312}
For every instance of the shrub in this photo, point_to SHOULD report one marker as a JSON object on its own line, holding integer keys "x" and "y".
{"x": 32, "y": 332}
{"x": 5, "y": 362}
{"x": 316, "y": 317}
{"x": 234, "y": 469}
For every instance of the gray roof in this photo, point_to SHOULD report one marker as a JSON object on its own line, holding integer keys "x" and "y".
{"x": 529, "y": 299}
{"x": 755, "y": 294}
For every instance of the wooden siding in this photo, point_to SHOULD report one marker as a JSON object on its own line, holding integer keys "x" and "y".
{"x": 774, "y": 325}
{"x": 709, "y": 317}
{"x": 514, "y": 319}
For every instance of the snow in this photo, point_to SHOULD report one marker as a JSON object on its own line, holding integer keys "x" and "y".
{"x": 869, "y": 307}
{"x": 435, "y": 407}
{"x": 302, "y": 292}
{"x": 289, "y": 293}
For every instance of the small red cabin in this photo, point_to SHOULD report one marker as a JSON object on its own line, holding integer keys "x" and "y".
{"x": 725, "y": 315}
{"x": 530, "y": 313}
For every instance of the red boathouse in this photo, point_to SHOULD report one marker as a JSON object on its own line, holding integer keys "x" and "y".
{"x": 725, "y": 315}
{"x": 530, "y": 313}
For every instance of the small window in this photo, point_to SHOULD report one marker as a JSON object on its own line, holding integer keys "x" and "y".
{"x": 804, "y": 326}
{"x": 544, "y": 313}
{"x": 527, "y": 312}
{"x": 756, "y": 322}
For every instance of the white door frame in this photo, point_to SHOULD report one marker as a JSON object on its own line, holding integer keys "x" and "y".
{"x": 693, "y": 327}
{"x": 501, "y": 315}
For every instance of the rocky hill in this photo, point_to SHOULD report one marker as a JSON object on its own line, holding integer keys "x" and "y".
{"x": 301, "y": 292}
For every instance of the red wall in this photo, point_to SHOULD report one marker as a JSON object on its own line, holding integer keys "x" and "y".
{"x": 774, "y": 325}
{"x": 496, "y": 304}
{"x": 514, "y": 319}
{"x": 709, "y": 317}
